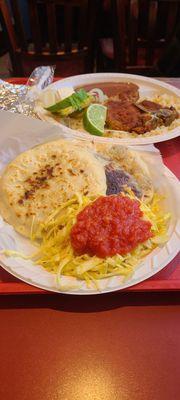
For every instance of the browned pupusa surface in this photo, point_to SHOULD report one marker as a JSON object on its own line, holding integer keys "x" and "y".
{"x": 40, "y": 179}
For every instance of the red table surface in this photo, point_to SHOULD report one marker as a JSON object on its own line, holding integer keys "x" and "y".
{"x": 168, "y": 278}
{"x": 109, "y": 347}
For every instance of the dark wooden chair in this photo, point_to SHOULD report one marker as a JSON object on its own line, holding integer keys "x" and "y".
{"x": 61, "y": 33}
{"x": 142, "y": 30}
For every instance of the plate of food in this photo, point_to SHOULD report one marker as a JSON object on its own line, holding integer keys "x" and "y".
{"x": 118, "y": 108}
{"x": 84, "y": 218}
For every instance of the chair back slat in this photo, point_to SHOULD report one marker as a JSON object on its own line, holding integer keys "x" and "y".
{"x": 7, "y": 21}
{"x": 52, "y": 27}
{"x": 133, "y": 30}
{"x": 35, "y": 28}
{"x": 68, "y": 23}
{"x": 83, "y": 31}
{"x": 119, "y": 30}
{"x": 152, "y": 25}
{"x": 19, "y": 24}
{"x": 171, "y": 19}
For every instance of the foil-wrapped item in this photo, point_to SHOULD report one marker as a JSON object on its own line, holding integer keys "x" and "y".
{"x": 21, "y": 98}
{"x": 41, "y": 77}
{"x": 12, "y": 98}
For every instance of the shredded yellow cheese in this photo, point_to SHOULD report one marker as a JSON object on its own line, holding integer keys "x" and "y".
{"x": 56, "y": 253}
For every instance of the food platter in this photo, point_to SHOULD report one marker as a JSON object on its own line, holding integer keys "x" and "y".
{"x": 148, "y": 89}
{"x": 25, "y": 271}
{"x": 11, "y": 241}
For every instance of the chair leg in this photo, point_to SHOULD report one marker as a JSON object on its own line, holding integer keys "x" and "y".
{"x": 100, "y": 67}
{"x": 16, "y": 63}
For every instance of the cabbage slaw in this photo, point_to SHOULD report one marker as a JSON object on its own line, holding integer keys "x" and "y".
{"x": 56, "y": 254}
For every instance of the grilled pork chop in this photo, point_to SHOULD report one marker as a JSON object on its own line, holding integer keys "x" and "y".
{"x": 165, "y": 115}
{"x": 128, "y": 117}
{"x": 140, "y": 118}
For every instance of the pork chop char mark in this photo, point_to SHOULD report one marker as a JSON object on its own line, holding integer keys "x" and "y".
{"x": 150, "y": 106}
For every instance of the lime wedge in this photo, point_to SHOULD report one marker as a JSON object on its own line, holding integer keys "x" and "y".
{"x": 94, "y": 119}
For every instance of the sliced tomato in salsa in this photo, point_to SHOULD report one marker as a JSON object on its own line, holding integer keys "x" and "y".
{"x": 108, "y": 226}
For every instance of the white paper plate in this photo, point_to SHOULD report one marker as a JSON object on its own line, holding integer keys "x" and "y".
{"x": 38, "y": 276}
{"x": 148, "y": 87}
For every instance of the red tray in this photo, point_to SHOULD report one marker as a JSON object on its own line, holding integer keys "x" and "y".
{"x": 166, "y": 280}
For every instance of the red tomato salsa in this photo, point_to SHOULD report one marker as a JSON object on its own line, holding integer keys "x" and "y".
{"x": 108, "y": 226}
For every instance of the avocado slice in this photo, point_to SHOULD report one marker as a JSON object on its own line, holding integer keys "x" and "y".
{"x": 76, "y": 102}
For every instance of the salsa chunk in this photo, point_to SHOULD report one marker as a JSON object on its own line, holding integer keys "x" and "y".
{"x": 108, "y": 226}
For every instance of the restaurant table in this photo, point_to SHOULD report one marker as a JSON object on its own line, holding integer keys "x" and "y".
{"x": 119, "y": 346}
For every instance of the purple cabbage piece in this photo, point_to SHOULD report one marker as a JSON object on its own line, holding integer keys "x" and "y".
{"x": 117, "y": 179}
